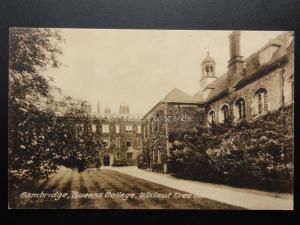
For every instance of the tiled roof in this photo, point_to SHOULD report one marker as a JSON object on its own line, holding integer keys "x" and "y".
{"x": 208, "y": 59}
{"x": 178, "y": 96}
{"x": 218, "y": 86}
{"x": 221, "y": 84}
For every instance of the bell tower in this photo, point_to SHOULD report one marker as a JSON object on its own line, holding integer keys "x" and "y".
{"x": 208, "y": 75}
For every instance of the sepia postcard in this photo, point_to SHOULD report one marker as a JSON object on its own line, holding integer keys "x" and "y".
{"x": 150, "y": 119}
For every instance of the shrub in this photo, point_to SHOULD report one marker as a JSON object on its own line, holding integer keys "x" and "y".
{"x": 143, "y": 160}
{"x": 257, "y": 154}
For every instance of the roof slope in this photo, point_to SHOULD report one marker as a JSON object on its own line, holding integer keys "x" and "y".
{"x": 178, "y": 96}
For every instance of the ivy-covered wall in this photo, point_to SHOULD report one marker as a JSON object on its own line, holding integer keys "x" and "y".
{"x": 256, "y": 154}
{"x": 165, "y": 119}
{"x": 118, "y": 140}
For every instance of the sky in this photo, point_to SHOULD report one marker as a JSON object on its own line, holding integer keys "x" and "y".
{"x": 140, "y": 67}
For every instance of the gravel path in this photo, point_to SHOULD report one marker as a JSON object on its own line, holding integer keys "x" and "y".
{"x": 246, "y": 198}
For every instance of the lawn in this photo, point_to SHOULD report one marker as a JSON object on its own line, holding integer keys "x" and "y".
{"x": 105, "y": 189}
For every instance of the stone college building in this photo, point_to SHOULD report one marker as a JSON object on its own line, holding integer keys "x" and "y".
{"x": 121, "y": 134}
{"x": 251, "y": 87}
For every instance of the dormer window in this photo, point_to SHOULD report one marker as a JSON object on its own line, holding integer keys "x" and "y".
{"x": 267, "y": 54}
{"x": 290, "y": 38}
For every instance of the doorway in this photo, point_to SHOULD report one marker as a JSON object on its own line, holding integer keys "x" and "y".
{"x": 106, "y": 160}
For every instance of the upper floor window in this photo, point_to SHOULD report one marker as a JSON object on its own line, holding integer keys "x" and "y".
{"x": 106, "y": 142}
{"x": 240, "y": 108}
{"x": 105, "y": 128}
{"x": 260, "y": 101}
{"x": 128, "y": 128}
{"x": 211, "y": 117}
{"x": 224, "y": 113}
{"x": 117, "y": 129}
{"x": 94, "y": 128}
{"x": 152, "y": 126}
{"x": 139, "y": 129}
{"x": 118, "y": 142}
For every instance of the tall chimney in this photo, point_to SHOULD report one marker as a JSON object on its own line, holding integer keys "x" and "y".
{"x": 235, "y": 63}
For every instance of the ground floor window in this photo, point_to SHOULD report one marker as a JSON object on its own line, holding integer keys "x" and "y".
{"x": 260, "y": 101}
{"x": 224, "y": 113}
{"x": 118, "y": 156}
{"x": 129, "y": 155}
{"x": 211, "y": 117}
{"x": 240, "y": 108}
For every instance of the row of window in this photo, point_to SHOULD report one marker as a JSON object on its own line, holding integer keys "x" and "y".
{"x": 128, "y": 143}
{"x": 106, "y": 128}
{"x": 129, "y": 155}
{"x": 260, "y": 106}
{"x": 259, "y": 103}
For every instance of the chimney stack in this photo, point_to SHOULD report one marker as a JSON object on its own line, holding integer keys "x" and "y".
{"x": 235, "y": 64}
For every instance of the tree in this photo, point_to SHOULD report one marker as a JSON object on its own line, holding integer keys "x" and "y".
{"x": 42, "y": 130}
{"x": 31, "y": 51}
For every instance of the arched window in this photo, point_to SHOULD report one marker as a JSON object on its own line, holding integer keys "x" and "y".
{"x": 240, "y": 108}
{"x": 211, "y": 117}
{"x": 260, "y": 101}
{"x": 224, "y": 114}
